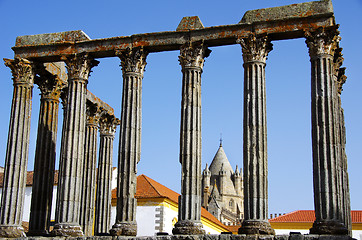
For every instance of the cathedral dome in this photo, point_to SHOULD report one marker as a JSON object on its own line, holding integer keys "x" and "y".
{"x": 222, "y": 189}
{"x": 220, "y": 165}
{"x": 220, "y": 160}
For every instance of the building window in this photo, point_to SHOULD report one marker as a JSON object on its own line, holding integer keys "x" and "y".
{"x": 231, "y": 203}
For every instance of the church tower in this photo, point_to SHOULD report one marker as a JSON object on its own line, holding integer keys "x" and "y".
{"x": 222, "y": 189}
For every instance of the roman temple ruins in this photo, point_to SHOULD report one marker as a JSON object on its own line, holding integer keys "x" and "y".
{"x": 40, "y": 59}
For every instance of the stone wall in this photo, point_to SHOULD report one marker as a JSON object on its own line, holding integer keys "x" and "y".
{"x": 295, "y": 236}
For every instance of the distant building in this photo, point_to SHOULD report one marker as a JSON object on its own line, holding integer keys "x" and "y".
{"x": 222, "y": 193}
{"x": 302, "y": 220}
{"x": 157, "y": 206}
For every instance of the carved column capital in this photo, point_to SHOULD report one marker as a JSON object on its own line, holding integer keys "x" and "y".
{"x": 93, "y": 114}
{"x": 22, "y": 70}
{"x": 322, "y": 41}
{"x": 339, "y": 72}
{"x": 255, "y": 49}
{"x": 79, "y": 66}
{"x": 108, "y": 125}
{"x": 64, "y": 97}
{"x": 193, "y": 54}
{"x": 49, "y": 85}
{"x": 133, "y": 60}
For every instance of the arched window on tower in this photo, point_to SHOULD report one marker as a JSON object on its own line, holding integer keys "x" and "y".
{"x": 231, "y": 204}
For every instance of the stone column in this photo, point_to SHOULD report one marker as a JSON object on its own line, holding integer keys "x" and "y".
{"x": 16, "y": 160}
{"x": 340, "y": 79}
{"x": 325, "y": 140}
{"x": 44, "y": 163}
{"x": 71, "y": 161}
{"x": 107, "y": 130}
{"x": 189, "y": 212}
{"x": 133, "y": 62}
{"x": 255, "y": 51}
{"x": 89, "y": 170}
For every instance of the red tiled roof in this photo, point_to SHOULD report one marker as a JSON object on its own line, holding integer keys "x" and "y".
{"x": 309, "y": 216}
{"x": 233, "y": 228}
{"x": 149, "y": 188}
{"x": 29, "y": 178}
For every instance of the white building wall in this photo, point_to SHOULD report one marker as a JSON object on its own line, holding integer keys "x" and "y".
{"x": 146, "y": 220}
{"x": 113, "y": 215}
{"x": 169, "y": 215}
{"x": 27, "y": 204}
{"x": 114, "y": 178}
{"x": 357, "y": 234}
{"x": 287, "y": 231}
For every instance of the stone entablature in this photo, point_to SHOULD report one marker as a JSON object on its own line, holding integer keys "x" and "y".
{"x": 255, "y": 32}
{"x": 296, "y": 19}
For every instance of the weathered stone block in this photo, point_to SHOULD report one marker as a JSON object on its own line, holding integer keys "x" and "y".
{"x": 190, "y": 23}
{"x": 296, "y": 236}
{"x": 281, "y": 237}
{"x": 290, "y": 11}
{"x": 51, "y": 38}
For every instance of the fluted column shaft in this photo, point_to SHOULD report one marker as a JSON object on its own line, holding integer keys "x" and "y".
{"x": 71, "y": 162}
{"x": 104, "y": 179}
{"x": 133, "y": 62}
{"x": 189, "y": 213}
{"x": 45, "y": 153}
{"x": 89, "y": 171}
{"x": 16, "y": 159}
{"x": 327, "y": 157}
{"x": 340, "y": 79}
{"x": 255, "y": 51}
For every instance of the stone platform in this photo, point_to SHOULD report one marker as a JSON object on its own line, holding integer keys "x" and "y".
{"x": 292, "y": 236}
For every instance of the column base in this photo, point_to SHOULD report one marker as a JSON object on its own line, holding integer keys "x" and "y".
{"x": 67, "y": 230}
{"x": 11, "y": 231}
{"x": 35, "y": 233}
{"x": 329, "y": 228}
{"x": 124, "y": 229}
{"x": 188, "y": 227}
{"x": 256, "y": 228}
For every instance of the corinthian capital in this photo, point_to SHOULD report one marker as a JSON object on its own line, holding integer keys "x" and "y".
{"x": 93, "y": 112}
{"x": 255, "y": 49}
{"x": 108, "y": 125}
{"x": 21, "y": 69}
{"x": 339, "y": 72}
{"x": 193, "y": 54}
{"x": 50, "y": 85}
{"x": 133, "y": 60}
{"x": 322, "y": 41}
{"x": 79, "y": 66}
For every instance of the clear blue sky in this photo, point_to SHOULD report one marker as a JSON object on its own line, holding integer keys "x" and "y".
{"x": 288, "y": 87}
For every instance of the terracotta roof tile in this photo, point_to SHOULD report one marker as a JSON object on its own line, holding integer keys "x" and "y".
{"x": 149, "y": 188}
{"x": 29, "y": 178}
{"x": 233, "y": 228}
{"x": 309, "y": 216}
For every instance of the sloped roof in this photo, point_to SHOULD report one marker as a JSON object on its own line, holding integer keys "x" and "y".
{"x": 149, "y": 188}
{"x": 219, "y": 160}
{"x": 309, "y": 216}
{"x": 29, "y": 178}
{"x": 300, "y": 216}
